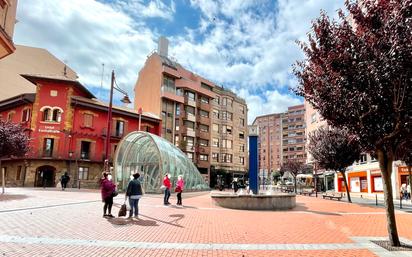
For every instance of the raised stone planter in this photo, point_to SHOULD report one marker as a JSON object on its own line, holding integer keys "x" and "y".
{"x": 278, "y": 201}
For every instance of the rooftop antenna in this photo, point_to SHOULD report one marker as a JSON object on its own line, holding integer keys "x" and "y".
{"x": 101, "y": 81}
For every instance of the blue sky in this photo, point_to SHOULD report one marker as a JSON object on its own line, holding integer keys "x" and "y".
{"x": 247, "y": 46}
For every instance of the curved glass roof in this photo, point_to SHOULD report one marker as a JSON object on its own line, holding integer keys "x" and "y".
{"x": 153, "y": 157}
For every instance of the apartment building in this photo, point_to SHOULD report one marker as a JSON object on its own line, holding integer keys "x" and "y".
{"x": 293, "y": 133}
{"x": 191, "y": 107}
{"x": 7, "y": 20}
{"x": 228, "y": 135}
{"x": 269, "y": 142}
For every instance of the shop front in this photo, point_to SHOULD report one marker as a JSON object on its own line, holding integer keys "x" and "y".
{"x": 358, "y": 182}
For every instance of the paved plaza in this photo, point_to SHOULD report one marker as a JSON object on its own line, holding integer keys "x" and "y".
{"x": 48, "y": 222}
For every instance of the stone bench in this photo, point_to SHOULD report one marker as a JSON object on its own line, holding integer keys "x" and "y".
{"x": 332, "y": 196}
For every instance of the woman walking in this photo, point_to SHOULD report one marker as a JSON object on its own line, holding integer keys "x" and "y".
{"x": 167, "y": 185}
{"x": 107, "y": 189}
{"x": 134, "y": 192}
{"x": 179, "y": 189}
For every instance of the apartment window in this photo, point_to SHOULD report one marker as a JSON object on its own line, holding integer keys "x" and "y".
{"x": 299, "y": 148}
{"x": 215, "y": 127}
{"x": 215, "y": 157}
{"x": 10, "y": 116}
{"x": 226, "y": 158}
{"x": 176, "y": 140}
{"x": 189, "y": 140}
{"x": 242, "y": 148}
{"x": 242, "y": 122}
{"x": 204, "y": 100}
{"x": 57, "y": 115}
{"x": 177, "y": 110}
{"x": 177, "y": 125}
{"x": 85, "y": 150}
{"x": 203, "y": 142}
{"x": 48, "y": 144}
{"x": 217, "y": 100}
{"x": 206, "y": 86}
{"x": 18, "y": 173}
{"x": 227, "y": 143}
{"x": 363, "y": 158}
{"x": 241, "y": 135}
{"x": 119, "y": 128}
{"x": 189, "y": 124}
{"x": 189, "y": 155}
{"x": 242, "y": 109}
{"x": 227, "y": 129}
{"x": 373, "y": 159}
{"x": 204, "y": 128}
{"x": 190, "y": 109}
{"x": 169, "y": 84}
{"x": 25, "y": 115}
{"x": 83, "y": 173}
{"x": 215, "y": 142}
{"x": 190, "y": 95}
{"x": 242, "y": 160}
{"x": 227, "y": 101}
{"x": 227, "y": 115}
{"x": 203, "y": 157}
{"x": 215, "y": 114}
{"x": 204, "y": 113}
{"x": 88, "y": 120}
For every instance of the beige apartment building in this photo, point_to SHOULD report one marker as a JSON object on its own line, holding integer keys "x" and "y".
{"x": 193, "y": 109}
{"x": 269, "y": 142}
{"x": 293, "y": 133}
{"x": 7, "y": 20}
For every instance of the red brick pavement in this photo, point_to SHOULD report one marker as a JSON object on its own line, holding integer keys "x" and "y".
{"x": 78, "y": 216}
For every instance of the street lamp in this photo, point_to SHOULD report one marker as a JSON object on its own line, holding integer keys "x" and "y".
{"x": 125, "y": 100}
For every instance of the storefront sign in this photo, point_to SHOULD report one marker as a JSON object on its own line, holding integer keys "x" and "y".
{"x": 49, "y": 129}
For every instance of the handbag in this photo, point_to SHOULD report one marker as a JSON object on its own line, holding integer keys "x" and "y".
{"x": 178, "y": 189}
{"x": 115, "y": 193}
{"x": 162, "y": 187}
{"x": 123, "y": 210}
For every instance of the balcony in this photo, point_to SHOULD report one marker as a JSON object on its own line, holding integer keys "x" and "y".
{"x": 188, "y": 116}
{"x": 171, "y": 72}
{"x": 203, "y": 120}
{"x": 202, "y": 164}
{"x": 204, "y": 106}
{"x": 203, "y": 150}
{"x": 203, "y": 134}
{"x": 189, "y": 101}
{"x": 187, "y": 131}
{"x": 171, "y": 95}
{"x": 114, "y": 134}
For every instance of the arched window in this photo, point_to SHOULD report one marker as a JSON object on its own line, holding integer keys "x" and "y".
{"x": 57, "y": 115}
{"x": 46, "y": 114}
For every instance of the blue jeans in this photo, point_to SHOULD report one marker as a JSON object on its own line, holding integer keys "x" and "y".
{"x": 134, "y": 204}
{"x": 167, "y": 196}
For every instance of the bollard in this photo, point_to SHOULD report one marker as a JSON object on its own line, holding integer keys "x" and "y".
{"x": 400, "y": 203}
{"x": 79, "y": 184}
{"x": 376, "y": 198}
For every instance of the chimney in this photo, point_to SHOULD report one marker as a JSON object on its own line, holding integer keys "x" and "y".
{"x": 163, "y": 46}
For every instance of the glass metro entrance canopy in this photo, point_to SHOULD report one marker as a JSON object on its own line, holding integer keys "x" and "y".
{"x": 153, "y": 157}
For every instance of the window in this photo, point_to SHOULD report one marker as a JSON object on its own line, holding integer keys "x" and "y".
{"x": 242, "y": 160}
{"x": 203, "y": 157}
{"x": 373, "y": 159}
{"x": 227, "y": 143}
{"x": 190, "y": 109}
{"x": 48, "y": 147}
{"x": 57, "y": 115}
{"x": 189, "y": 155}
{"x": 226, "y": 158}
{"x": 242, "y": 148}
{"x": 242, "y": 122}
{"x": 204, "y": 113}
{"x": 176, "y": 140}
{"x": 206, "y": 86}
{"x": 363, "y": 158}
{"x": 242, "y": 109}
{"x": 215, "y": 127}
{"x": 83, "y": 173}
{"x": 25, "y": 115}
{"x": 10, "y": 116}
{"x": 241, "y": 135}
{"x": 227, "y": 115}
{"x": 227, "y": 101}
{"x": 189, "y": 124}
{"x": 215, "y": 157}
{"x": 177, "y": 110}
{"x": 204, "y": 128}
{"x": 203, "y": 142}
{"x": 227, "y": 129}
{"x": 177, "y": 125}
{"x": 215, "y": 142}
{"x": 88, "y": 120}
{"x": 190, "y": 95}
{"x": 169, "y": 84}
{"x": 189, "y": 140}
{"x": 204, "y": 100}
{"x": 215, "y": 114}
{"x": 119, "y": 128}
{"x": 85, "y": 150}
{"x": 18, "y": 173}
{"x": 217, "y": 100}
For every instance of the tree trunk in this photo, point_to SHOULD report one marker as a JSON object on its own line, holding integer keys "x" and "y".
{"x": 294, "y": 178}
{"x": 410, "y": 182}
{"x": 385, "y": 164}
{"x": 346, "y": 185}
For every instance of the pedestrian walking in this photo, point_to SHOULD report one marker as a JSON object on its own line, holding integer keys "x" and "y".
{"x": 65, "y": 178}
{"x": 235, "y": 185}
{"x": 408, "y": 191}
{"x": 134, "y": 192}
{"x": 167, "y": 185}
{"x": 180, "y": 184}
{"x": 108, "y": 189}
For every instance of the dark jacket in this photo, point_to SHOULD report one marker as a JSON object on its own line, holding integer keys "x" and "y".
{"x": 134, "y": 188}
{"x": 107, "y": 188}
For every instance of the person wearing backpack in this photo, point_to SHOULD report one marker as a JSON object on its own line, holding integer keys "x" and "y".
{"x": 134, "y": 192}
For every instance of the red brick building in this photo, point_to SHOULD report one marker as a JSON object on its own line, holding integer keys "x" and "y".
{"x": 67, "y": 127}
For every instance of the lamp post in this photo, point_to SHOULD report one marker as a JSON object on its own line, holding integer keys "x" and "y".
{"x": 109, "y": 118}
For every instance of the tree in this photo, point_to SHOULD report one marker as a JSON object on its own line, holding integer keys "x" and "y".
{"x": 294, "y": 167}
{"x": 357, "y": 74}
{"x": 13, "y": 142}
{"x": 335, "y": 150}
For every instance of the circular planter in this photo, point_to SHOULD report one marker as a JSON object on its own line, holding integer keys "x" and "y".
{"x": 278, "y": 201}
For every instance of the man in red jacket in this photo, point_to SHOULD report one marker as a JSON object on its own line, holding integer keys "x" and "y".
{"x": 166, "y": 183}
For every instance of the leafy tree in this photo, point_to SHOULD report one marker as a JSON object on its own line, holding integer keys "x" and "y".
{"x": 334, "y": 149}
{"x": 276, "y": 176}
{"x": 358, "y": 75}
{"x": 294, "y": 167}
{"x": 13, "y": 142}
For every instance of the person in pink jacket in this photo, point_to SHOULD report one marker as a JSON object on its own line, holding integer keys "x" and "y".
{"x": 107, "y": 189}
{"x": 180, "y": 184}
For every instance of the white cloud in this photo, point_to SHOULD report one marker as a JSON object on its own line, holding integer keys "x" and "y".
{"x": 153, "y": 9}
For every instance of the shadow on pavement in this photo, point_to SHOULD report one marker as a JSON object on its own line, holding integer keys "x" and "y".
{"x": 7, "y": 197}
{"x": 139, "y": 222}
{"x": 302, "y": 207}
{"x": 172, "y": 223}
